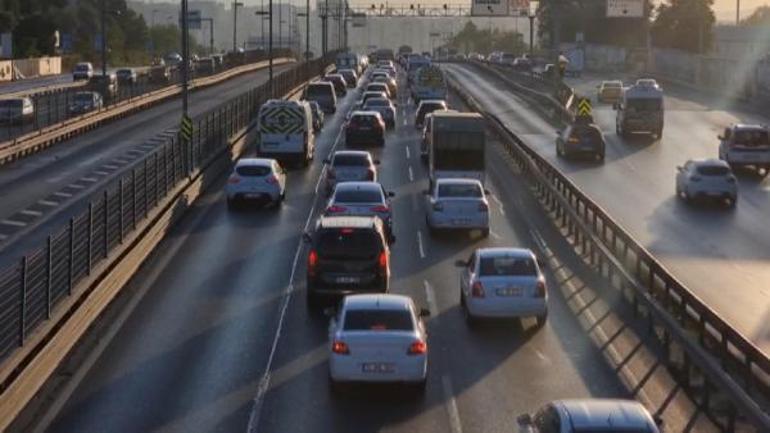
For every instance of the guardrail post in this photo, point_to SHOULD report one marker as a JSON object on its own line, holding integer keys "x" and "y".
{"x": 106, "y": 222}
{"x": 157, "y": 180}
{"x": 23, "y": 301}
{"x": 48, "y": 276}
{"x": 71, "y": 256}
{"x": 133, "y": 198}
{"x": 90, "y": 234}
{"x": 120, "y": 188}
{"x": 144, "y": 195}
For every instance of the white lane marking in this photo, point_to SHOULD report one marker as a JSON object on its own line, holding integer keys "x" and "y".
{"x": 408, "y": 155}
{"x": 121, "y": 161}
{"x": 542, "y": 356}
{"x": 62, "y": 194}
{"x": 30, "y": 212}
{"x": 76, "y": 186}
{"x": 405, "y": 123}
{"x": 538, "y": 239}
{"x": 495, "y": 235}
{"x": 47, "y": 203}
{"x": 411, "y": 174}
{"x": 419, "y": 244}
{"x": 13, "y": 223}
{"x": 88, "y": 179}
{"x": 264, "y": 382}
{"x": 101, "y": 173}
{"x": 430, "y": 295}
{"x": 3, "y": 237}
{"x": 499, "y": 204}
{"x": 451, "y": 405}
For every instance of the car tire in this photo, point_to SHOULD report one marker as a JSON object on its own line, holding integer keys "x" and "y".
{"x": 541, "y": 320}
{"x": 559, "y": 152}
{"x": 336, "y": 386}
{"x": 382, "y": 142}
{"x": 311, "y": 296}
{"x": 485, "y": 232}
{"x": 600, "y": 156}
{"x": 732, "y": 202}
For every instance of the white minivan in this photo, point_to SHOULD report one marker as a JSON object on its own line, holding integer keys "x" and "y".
{"x": 285, "y": 131}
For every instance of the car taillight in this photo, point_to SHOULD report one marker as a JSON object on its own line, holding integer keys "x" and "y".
{"x": 477, "y": 290}
{"x": 438, "y": 206}
{"x": 336, "y": 209}
{"x": 271, "y": 180}
{"x": 233, "y": 179}
{"x": 573, "y": 140}
{"x": 382, "y": 261}
{"x": 380, "y": 209}
{"x": 540, "y": 289}
{"x": 370, "y": 174}
{"x": 340, "y": 348}
{"x": 483, "y": 207}
{"x": 312, "y": 262}
{"x": 418, "y": 347}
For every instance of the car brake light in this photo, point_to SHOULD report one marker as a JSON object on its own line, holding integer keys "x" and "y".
{"x": 540, "y": 289}
{"x": 573, "y": 140}
{"x": 382, "y": 261}
{"x": 438, "y": 206}
{"x": 483, "y": 207}
{"x": 380, "y": 209}
{"x": 340, "y": 348}
{"x": 477, "y": 290}
{"x": 336, "y": 208}
{"x": 233, "y": 179}
{"x": 418, "y": 347}
{"x": 312, "y": 262}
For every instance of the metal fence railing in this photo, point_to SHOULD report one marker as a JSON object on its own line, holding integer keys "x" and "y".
{"x": 54, "y": 106}
{"x": 697, "y": 343}
{"x": 31, "y": 288}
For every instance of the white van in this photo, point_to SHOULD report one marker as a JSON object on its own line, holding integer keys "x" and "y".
{"x": 285, "y": 131}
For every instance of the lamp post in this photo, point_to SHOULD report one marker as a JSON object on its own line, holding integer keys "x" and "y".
{"x": 104, "y": 37}
{"x": 532, "y": 14}
{"x": 324, "y": 28}
{"x": 236, "y": 5}
{"x": 185, "y": 57}
{"x": 306, "y": 14}
{"x": 211, "y": 34}
{"x": 269, "y": 17}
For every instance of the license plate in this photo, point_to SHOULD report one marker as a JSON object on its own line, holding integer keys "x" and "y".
{"x": 253, "y": 195}
{"x": 347, "y": 280}
{"x": 509, "y": 291}
{"x": 377, "y": 367}
{"x": 461, "y": 221}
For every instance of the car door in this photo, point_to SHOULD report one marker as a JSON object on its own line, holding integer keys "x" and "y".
{"x": 467, "y": 274}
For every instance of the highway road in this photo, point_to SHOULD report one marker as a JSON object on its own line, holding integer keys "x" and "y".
{"x": 40, "y": 192}
{"x": 220, "y": 313}
{"x": 33, "y": 84}
{"x": 721, "y": 254}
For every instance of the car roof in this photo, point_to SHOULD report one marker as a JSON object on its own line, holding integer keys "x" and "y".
{"x": 365, "y": 113}
{"x": 618, "y": 82}
{"x": 603, "y": 413}
{"x": 457, "y": 181}
{"x": 505, "y": 252}
{"x": 748, "y": 126}
{"x": 347, "y": 221}
{"x": 254, "y": 162}
{"x": 321, "y": 83}
{"x": 377, "y": 302}
{"x": 359, "y": 186}
{"x": 432, "y": 101}
{"x": 352, "y": 152}
{"x": 709, "y": 162}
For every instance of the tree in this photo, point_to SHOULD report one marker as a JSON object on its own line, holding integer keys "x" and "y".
{"x": 587, "y": 17}
{"x": 760, "y": 17}
{"x": 684, "y": 24}
{"x": 470, "y": 38}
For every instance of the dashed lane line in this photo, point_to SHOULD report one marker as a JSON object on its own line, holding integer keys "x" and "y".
{"x": 408, "y": 155}
{"x": 47, "y": 203}
{"x": 62, "y": 194}
{"x": 499, "y": 203}
{"x": 31, "y": 212}
{"x": 14, "y": 223}
{"x": 76, "y": 186}
{"x": 451, "y": 405}
{"x": 411, "y": 174}
{"x": 89, "y": 179}
{"x": 420, "y": 245}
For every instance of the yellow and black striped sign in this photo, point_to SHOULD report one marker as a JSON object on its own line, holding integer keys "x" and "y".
{"x": 186, "y": 128}
{"x": 584, "y": 107}
{"x": 282, "y": 120}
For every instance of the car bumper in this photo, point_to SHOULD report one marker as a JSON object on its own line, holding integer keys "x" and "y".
{"x": 514, "y": 308}
{"x": 748, "y": 158}
{"x": 355, "y": 138}
{"x": 345, "y": 368}
{"x": 714, "y": 192}
{"x": 437, "y": 220}
{"x": 253, "y": 194}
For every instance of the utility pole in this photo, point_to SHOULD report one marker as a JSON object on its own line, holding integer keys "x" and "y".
{"x": 104, "y": 37}
{"x": 270, "y": 49}
{"x": 185, "y": 57}
{"x": 737, "y": 12}
{"x": 236, "y": 5}
{"x": 211, "y": 34}
{"x": 324, "y": 28}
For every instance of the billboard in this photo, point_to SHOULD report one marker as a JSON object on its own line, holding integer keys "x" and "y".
{"x": 625, "y": 8}
{"x": 485, "y": 8}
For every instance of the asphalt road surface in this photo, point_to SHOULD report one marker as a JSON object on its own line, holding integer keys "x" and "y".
{"x": 222, "y": 340}
{"x": 722, "y": 255}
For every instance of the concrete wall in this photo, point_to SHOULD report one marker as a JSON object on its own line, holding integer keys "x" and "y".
{"x": 27, "y": 68}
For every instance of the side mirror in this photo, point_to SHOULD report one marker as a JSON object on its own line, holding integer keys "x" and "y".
{"x": 376, "y": 162}
{"x": 540, "y": 262}
{"x": 524, "y": 420}
{"x": 391, "y": 194}
{"x": 424, "y": 312}
{"x": 306, "y": 237}
{"x": 461, "y": 263}
{"x": 679, "y": 168}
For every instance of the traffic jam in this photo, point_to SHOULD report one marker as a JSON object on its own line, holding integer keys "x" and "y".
{"x": 375, "y": 336}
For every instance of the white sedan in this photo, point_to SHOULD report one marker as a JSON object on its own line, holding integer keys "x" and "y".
{"x": 590, "y": 415}
{"x": 458, "y": 204}
{"x": 378, "y": 338}
{"x": 503, "y": 283}
{"x": 258, "y": 179}
{"x": 707, "y": 178}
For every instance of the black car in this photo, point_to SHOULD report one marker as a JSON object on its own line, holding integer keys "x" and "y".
{"x": 581, "y": 139}
{"x": 337, "y": 80}
{"x": 348, "y": 254}
{"x": 365, "y": 127}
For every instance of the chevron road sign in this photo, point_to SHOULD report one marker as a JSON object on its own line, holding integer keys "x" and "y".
{"x": 186, "y": 128}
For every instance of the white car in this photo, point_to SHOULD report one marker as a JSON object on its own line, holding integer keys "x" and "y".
{"x": 706, "y": 178}
{"x": 589, "y": 415}
{"x": 503, "y": 283}
{"x": 378, "y": 338}
{"x": 457, "y": 204}
{"x": 258, "y": 179}
{"x": 82, "y": 71}
{"x": 350, "y": 166}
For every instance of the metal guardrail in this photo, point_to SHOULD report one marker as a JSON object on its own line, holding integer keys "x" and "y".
{"x": 31, "y": 289}
{"x": 727, "y": 361}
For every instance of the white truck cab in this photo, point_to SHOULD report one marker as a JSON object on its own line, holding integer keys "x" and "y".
{"x": 285, "y": 131}
{"x": 640, "y": 109}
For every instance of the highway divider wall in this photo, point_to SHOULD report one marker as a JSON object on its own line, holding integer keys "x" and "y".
{"x": 701, "y": 349}
{"x": 56, "y": 125}
{"x": 51, "y": 296}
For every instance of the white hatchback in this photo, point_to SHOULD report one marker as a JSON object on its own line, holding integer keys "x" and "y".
{"x": 378, "y": 338}
{"x": 258, "y": 179}
{"x": 707, "y": 178}
{"x": 458, "y": 204}
{"x": 590, "y": 415}
{"x": 503, "y": 283}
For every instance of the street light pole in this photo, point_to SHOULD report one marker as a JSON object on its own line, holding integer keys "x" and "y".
{"x": 211, "y": 34}
{"x": 104, "y": 37}
{"x": 270, "y": 50}
{"x": 185, "y": 57}
{"x": 236, "y": 5}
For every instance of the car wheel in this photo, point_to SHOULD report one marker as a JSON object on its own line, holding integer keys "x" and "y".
{"x": 470, "y": 320}
{"x": 541, "y": 320}
{"x": 617, "y": 129}
{"x": 485, "y": 232}
{"x": 312, "y": 298}
{"x": 732, "y": 202}
{"x": 559, "y": 152}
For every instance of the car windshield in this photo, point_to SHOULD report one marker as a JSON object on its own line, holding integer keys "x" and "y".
{"x": 365, "y": 121}
{"x": 466, "y": 190}
{"x": 81, "y": 68}
{"x": 378, "y": 320}
{"x": 645, "y": 104}
{"x": 350, "y": 160}
{"x": 253, "y": 170}
{"x": 713, "y": 170}
{"x": 349, "y": 243}
{"x": 748, "y": 137}
{"x": 611, "y": 85}
{"x": 507, "y": 266}
{"x": 124, "y": 71}
{"x": 377, "y": 87}
{"x": 358, "y": 196}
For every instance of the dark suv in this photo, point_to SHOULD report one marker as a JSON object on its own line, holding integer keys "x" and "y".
{"x": 348, "y": 254}
{"x": 364, "y": 127}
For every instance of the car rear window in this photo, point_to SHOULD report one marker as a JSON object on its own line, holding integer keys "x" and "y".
{"x": 751, "y": 138}
{"x": 348, "y": 160}
{"x": 377, "y": 102}
{"x": 81, "y": 67}
{"x": 378, "y": 320}
{"x": 713, "y": 171}
{"x": 586, "y": 134}
{"x": 358, "y": 196}
{"x": 363, "y": 120}
{"x": 507, "y": 266}
{"x": 10, "y": 103}
{"x": 318, "y": 90}
{"x": 459, "y": 190}
{"x": 376, "y": 87}
{"x": 253, "y": 170}
{"x": 349, "y": 243}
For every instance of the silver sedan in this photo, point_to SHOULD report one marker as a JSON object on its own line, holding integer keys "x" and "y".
{"x": 458, "y": 204}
